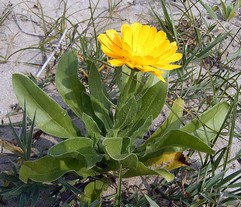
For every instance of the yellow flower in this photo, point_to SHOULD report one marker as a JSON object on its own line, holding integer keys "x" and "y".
{"x": 140, "y": 47}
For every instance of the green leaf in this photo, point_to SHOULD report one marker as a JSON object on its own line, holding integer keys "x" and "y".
{"x": 152, "y": 101}
{"x": 73, "y": 147}
{"x": 128, "y": 86}
{"x": 205, "y": 52}
{"x": 209, "y": 9}
{"x": 142, "y": 170}
{"x": 172, "y": 139}
{"x": 227, "y": 179}
{"x": 91, "y": 126}
{"x": 35, "y": 196}
{"x": 48, "y": 169}
{"x": 169, "y": 23}
{"x": 231, "y": 15}
{"x": 50, "y": 117}
{"x": 118, "y": 149}
{"x": 212, "y": 181}
{"x": 122, "y": 77}
{"x": 97, "y": 89}
{"x": 210, "y": 122}
{"x": 102, "y": 113}
{"x": 224, "y": 10}
{"x": 69, "y": 86}
{"x": 140, "y": 128}
{"x": 173, "y": 121}
{"x": 125, "y": 115}
{"x": 151, "y": 202}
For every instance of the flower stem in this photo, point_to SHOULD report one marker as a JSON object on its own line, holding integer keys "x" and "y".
{"x": 118, "y": 194}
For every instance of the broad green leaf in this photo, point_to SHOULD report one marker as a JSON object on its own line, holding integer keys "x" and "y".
{"x": 97, "y": 89}
{"x": 172, "y": 139}
{"x": 140, "y": 128}
{"x": 118, "y": 149}
{"x": 125, "y": 115}
{"x": 142, "y": 170}
{"x": 137, "y": 130}
{"x": 69, "y": 85}
{"x": 152, "y": 101}
{"x": 173, "y": 121}
{"x": 48, "y": 169}
{"x": 91, "y": 126}
{"x": 129, "y": 84}
{"x": 50, "y": 117}
{"x": 114, "y": 146}
{"x": 122, "y": 76}
{"x": 102, "y": 113}
{"x": 73, "y": 147}
{"x": 210, "y": 122}
{"x": 150, "y": 81}
{"x": 89, "y": 104}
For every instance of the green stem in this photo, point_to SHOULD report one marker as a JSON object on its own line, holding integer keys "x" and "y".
{"x": 118, "y": 194}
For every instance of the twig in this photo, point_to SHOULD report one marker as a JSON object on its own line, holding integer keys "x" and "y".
{"x": 21, "y": 29}
{"x": 52, "y": 54}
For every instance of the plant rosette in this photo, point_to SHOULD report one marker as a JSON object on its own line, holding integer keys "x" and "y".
{"x": 114, "y": 123}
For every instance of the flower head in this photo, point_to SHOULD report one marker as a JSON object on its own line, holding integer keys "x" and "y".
{"x": 140, "y": 47}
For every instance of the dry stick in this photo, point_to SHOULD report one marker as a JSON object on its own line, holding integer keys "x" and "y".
{"x": 52, "y": 54}
{"x": 21, "y": 29}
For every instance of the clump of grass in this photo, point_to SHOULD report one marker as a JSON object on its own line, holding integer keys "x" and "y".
{"x": 207, "y": 77}
{"x": 12, "y": 185}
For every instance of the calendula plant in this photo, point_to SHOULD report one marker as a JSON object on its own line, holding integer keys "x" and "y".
{"x": 116, "y": 114}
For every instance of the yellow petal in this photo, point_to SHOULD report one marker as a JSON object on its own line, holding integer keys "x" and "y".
{"x": 117, "y": 62}
{"x": 169, "y": 66}
{"x": 140, "y": 47}
{"x": 136, "y": 28}
{"x": 107, "y": 42}
{"x": 175, "y": 57}
{"x": 144, "y": 33}
{"x": 114, "y": 37}
{"x": 110, "y": 53}
{"x": 127, "y": 35}
{"x": 147, "y": 46}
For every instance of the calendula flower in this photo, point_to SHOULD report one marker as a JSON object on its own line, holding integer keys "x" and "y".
{"x": 140, "y": 47}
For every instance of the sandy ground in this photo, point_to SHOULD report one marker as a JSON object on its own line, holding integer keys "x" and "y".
{"x": 23, "y": 28}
